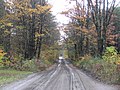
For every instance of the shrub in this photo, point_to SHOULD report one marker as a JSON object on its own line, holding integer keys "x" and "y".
{"x": 106, "y": 69}
{"x": 110, "y": 55}
{"x": 29, "y": 65}
{"x": 2, "y": 53}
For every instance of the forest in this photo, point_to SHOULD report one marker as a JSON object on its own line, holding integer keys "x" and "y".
{"x": 93, "y": 41}
{"x": 29, "y": 36}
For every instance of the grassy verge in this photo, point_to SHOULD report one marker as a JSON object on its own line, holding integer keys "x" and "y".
{"x": 7, "y": 76}
{"x": 100, "y": 69}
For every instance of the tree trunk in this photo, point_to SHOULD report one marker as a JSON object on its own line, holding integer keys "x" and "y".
{"x": 39, "y": 42}
{"x": 99, "y": 41}
{"x": 81, "y": 45}
{"x": 104, "y": 38}
{"x": 32, "y": 39}
{"x": 76, "y": 53}
{"x": 87, "y": 46}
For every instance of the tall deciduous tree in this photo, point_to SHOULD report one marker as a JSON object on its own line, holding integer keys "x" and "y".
{"x": 81, "y": 29}
{"x": 2, "y": 11}
{"x": 101, "y": 12}
{"x": 29, "y": 22}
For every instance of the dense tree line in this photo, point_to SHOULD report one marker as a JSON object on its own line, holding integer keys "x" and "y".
{"x": 26, "y": 27}
{"x": 93, "y": 27}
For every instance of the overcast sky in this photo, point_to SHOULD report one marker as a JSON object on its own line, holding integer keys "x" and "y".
{"x": 58, "y": 7}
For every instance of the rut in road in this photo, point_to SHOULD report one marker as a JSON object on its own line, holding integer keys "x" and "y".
{"x": 60, "y": 77}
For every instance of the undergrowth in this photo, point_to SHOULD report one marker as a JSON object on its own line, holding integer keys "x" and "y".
{"x": 7, "y": 76}
{"x": 106, "y": 69}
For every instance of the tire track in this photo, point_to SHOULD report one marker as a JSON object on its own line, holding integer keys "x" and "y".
{"x": 60, "y": 77}
{"x": 43, "y": 83}
{"x": 76, "y": 81}
{"x": 54, "y": 81}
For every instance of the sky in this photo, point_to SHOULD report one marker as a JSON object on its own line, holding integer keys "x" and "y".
{"x": 62, "y": 5}
{"x": 58, "y": 7}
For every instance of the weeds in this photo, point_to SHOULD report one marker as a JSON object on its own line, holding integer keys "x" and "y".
{"x": 106, "y": 69}
{"x": 7, "y": 76}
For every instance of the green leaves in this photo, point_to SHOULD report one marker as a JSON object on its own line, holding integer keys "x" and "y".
{"x": 9, "y": 24}
{"x": 7, "y": 32}
{"x": 110, "y": 55}
{"x": 20, "y": 27}
{"x": 2, "y": 26}
{"x": 111, "y": 50}
{"x": 1, "y": 54}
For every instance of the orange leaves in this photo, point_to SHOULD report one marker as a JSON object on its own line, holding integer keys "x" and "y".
{"x": 43, "y": 8}
{"x": 5, "y": 22}
{"x": 1, "y": 51}
{"x": 117, "y": 62}
{"x": 111, "y": 36}
{"x": 38, "y": 10}
{"x": 65, "y": 12}
{"x": 25, "y": 8}
{"x": 30, "y": 10}
{"x": 82, "y": 19}
{"x": 1, "y": 54}
{"x": 83, "y": 29}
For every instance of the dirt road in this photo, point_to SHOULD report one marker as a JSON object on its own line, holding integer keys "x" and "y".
{"x": 61, "y": 77}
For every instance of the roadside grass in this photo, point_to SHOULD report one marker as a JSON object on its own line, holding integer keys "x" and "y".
{"x": 100, "y": 69}
{"x": 9, "y": 75}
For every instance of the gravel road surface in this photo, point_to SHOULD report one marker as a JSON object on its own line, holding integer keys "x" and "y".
{"x": 59, "y": 77}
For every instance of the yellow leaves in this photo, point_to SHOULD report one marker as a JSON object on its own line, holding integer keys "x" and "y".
{"x": 25, "y": 8}
{"x": 83, "y": 29}
{"x": 42, "y": 9}
{"x": 38, "y": 35}
{"x": 9, "y": 24}
{"x": 47, "y": 7}
{"x": 117, "y": 62}
{"x": 1, "y": 54}
{"x": 37, "y": 10}
{"x": 6, "y": 32}
{"x": 18, "y": 6}
{"x": 5, "y": 21}
{"x": 1, "y": 51}
{"x": 80, "y": 18}
{"x": 65, "y": 12}
{"x": 30, "y": 10}
{"x": 77, "y": 27}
